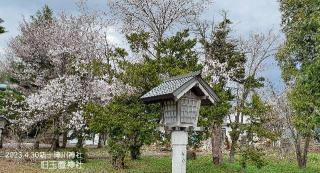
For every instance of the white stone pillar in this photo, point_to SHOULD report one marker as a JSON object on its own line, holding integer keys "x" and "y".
{"x": 179, "y": 141}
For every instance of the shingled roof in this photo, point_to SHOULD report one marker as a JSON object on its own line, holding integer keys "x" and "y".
{"x": 175, "y": 87}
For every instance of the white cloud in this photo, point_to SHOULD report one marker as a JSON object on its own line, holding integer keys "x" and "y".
{"x": 249, "y": 15}
{"x": 112, "y": 35}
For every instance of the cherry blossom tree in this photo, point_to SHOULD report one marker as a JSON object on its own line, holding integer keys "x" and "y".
{"x": 156, "y": 19}
{"x": 60, "y": 63}
{"x": 259, "y": 49}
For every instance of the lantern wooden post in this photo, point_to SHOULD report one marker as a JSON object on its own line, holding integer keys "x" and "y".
{"x": 179, "y": 141}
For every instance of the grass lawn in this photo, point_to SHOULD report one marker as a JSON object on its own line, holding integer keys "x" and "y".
{"x": 153, "y": 164}
{"x": 202, "y": 164}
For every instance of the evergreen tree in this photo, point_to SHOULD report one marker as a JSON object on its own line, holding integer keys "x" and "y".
{"x": 2, "y": 29}
{"x": 177, "y": 56}
{"x": 224, "y": 63}
{"x": 138, "y": 121}
{"x": 44, "y": 15}
{"x": 304, "y": 99}
{"x": 300, "y": 24}
{"x": 255, "y": 130}
{"x": 127, "y": 122}
{"x": 299, "y": 61}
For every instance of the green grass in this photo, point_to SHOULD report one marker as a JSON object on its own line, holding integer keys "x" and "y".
{"x": 202, "y": 164}
{"x": 274, "y": 165}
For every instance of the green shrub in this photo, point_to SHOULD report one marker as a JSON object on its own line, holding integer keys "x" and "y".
{"x": 80, "y": 155}
{"x": 253, "y": 155}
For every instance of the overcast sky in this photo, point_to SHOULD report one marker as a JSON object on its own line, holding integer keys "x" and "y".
{"x": 247, "y": 15}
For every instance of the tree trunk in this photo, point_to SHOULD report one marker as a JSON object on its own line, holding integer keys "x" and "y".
{"x": 135, "y": 152}
{"x": 114, "y": 161}
{"x": 19, "y": 142}
{"x": 36, "y": 137}
{"x": 105, "y": 137}
{"x": 235, "y": 133}
{"x": 93, "y": 138}
{"x": 80, "y": 141}
{"x": 121, "y": 162}
{"x": 135, "y": 148}
{"x": 100, "y": 141}
{"x": 298, "y": 151}
{"x": 64, "y": 139}
{"x": 55, "y": 138}
{"x": 305, "y": 151}
{"x": 302, "y": 156}
{"x": 232, "y": 153}
{"x": 55, "y": 142}
{"x": 234, "y": 140}
{"x": 36, "y": 144}
{"x": 1, "y": 139}
{"x": 216, "y": 142}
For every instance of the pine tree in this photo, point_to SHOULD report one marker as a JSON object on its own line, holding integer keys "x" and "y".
{"x": 224, "y": 63}
{"x": 2, "y": 29}
{"x": 299, "y": 62}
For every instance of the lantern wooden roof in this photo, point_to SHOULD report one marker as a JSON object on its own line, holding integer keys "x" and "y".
{"x": 174, "y": 88}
